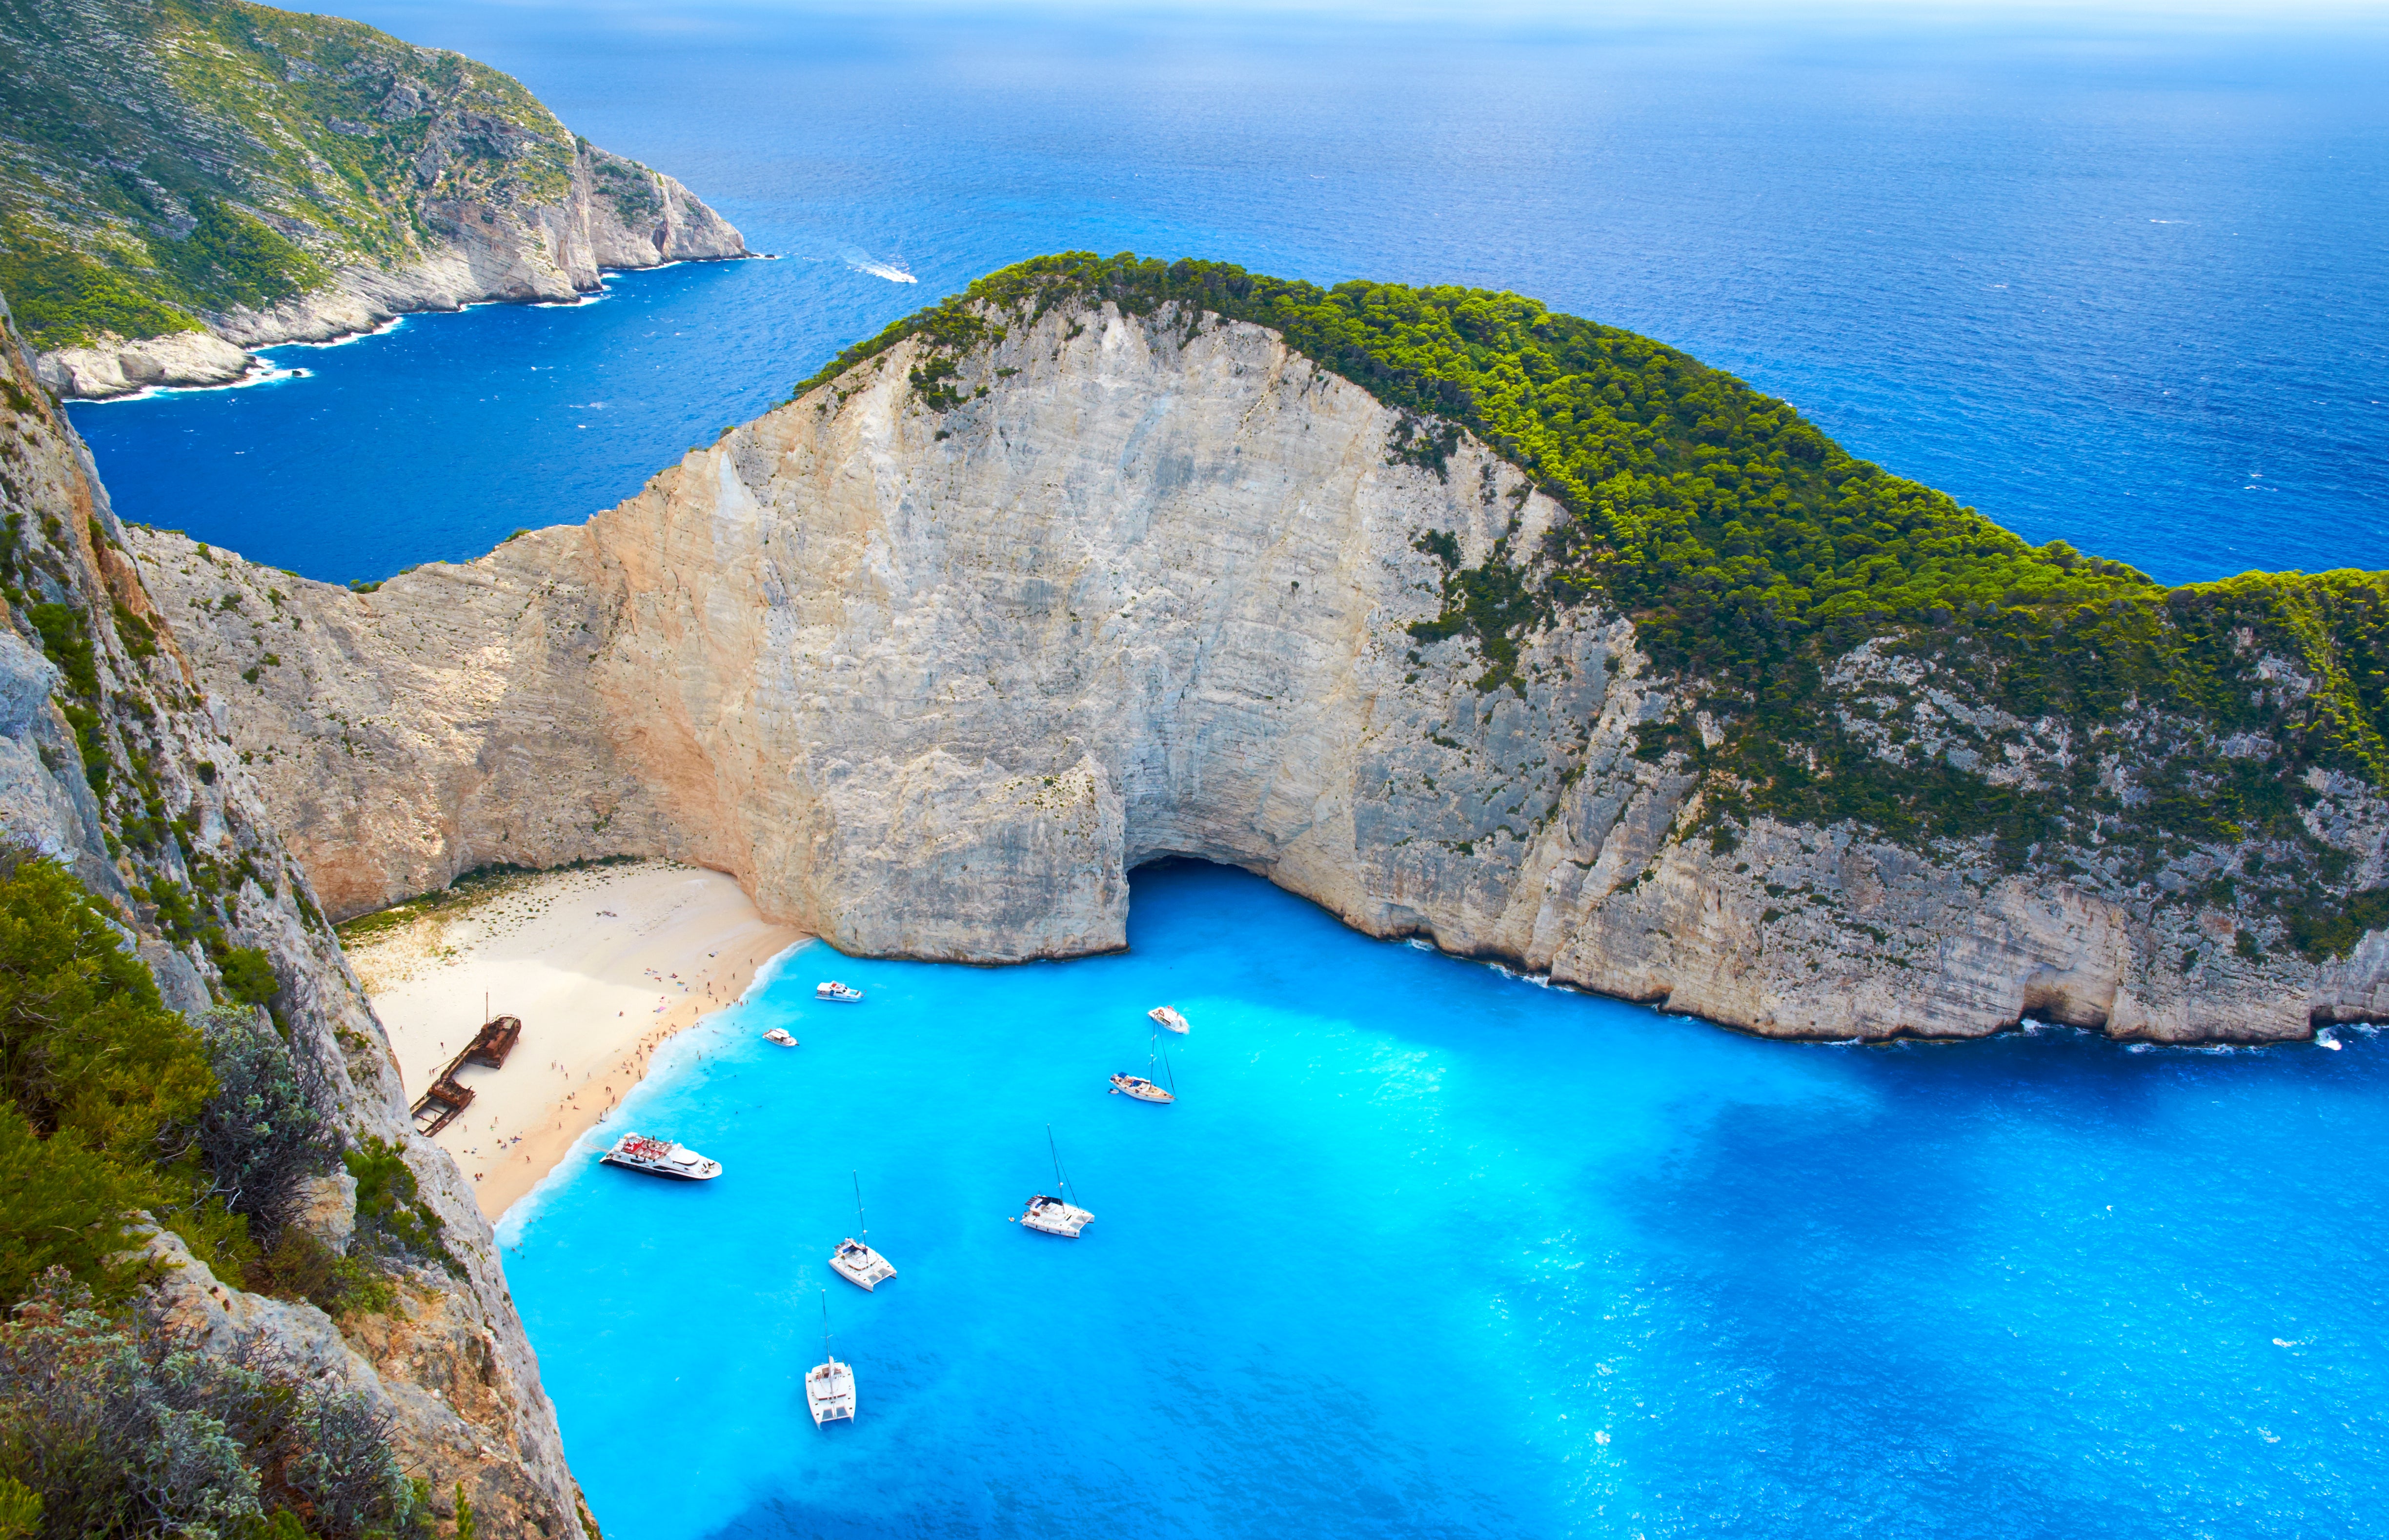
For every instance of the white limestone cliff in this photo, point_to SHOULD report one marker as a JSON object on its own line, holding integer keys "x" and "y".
{"x": 931, "y": 682}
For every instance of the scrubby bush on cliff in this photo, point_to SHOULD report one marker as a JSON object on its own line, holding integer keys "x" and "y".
{"x": 116, "y": 1106}
{"x": 120, "y": 1430}
{"x": 100, "y": 1089}
{"x": 392, "y": 1218}
{"x": 262, "y": 1137}
{"x": 265, "y": 1144}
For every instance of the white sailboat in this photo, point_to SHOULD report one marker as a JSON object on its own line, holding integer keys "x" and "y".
{"x": 1167, "y": 1016}
{"x": 1056, "y": 1215}
{"x": 1142, "y": 1086}
{"x": 854, "y": 1260}
{"x": 829, "y": 1385}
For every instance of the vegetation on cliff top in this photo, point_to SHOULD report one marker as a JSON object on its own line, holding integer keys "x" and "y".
{"x": 160, "y": 161}
{"x": 1752, "y": 552}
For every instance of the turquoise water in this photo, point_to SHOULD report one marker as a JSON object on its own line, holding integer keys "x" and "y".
{"x": 1428, "y": 1250}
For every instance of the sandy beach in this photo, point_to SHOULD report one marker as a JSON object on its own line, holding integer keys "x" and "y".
{"x": 602, "y": 964}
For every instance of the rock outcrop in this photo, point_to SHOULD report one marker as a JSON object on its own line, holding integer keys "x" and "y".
{"x": 123, "y": 773}
{"x": 929, "y": 676}
{"x": 319, "y": 177}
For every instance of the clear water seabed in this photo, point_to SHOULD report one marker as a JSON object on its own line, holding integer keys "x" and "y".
{"x": 1429, "y": 1250}
{"x": 2121, "y": 281}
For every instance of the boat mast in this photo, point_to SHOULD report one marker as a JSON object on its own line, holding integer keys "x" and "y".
{"x": 865, "y": 1236}
{"x": 1061, "y": 1183}
{"x": 1166, "y": 1072}
{"x": 825, "y": 1351}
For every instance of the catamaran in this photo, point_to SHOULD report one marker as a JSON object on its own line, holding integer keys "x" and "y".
{"x": 854, "y": 1260}
{"x": 1055, "y": 1216}
{"x": 833, "y": 989}
{"x": 1168, "y": 1017}
{"x": 660, "y": 1157}
{"x": 1141, "y": 1086}
{"x": 829, "y": 1385}
{"x": 779, "y": 1035}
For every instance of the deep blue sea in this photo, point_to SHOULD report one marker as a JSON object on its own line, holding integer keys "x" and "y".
{"x": 1426, "y": 1249}
{"x": 2121, "y": 280}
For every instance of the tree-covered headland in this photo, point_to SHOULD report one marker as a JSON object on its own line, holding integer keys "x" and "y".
{"x": 2153, "y": 723}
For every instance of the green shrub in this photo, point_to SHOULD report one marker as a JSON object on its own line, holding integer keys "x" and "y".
{"x": 123, "y": 1432}
{"x": 90, "y": 1055}
{"x": 391, "y": 1215}
{"x": 248, "y": 975}
{"x": 62, "y": 1206}
{"x": 64, "y": 299}
{"x": 231, "y": 258}
{"x": 262, "y": 1137}
{"x": 21, "y": 1509}
{"x": 299, "y": 1265}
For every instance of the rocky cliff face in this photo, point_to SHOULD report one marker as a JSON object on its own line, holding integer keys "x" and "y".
{"x": 132, "y": 783}
{"x": 930, "y": 676}
{"x": 300, "y": 178}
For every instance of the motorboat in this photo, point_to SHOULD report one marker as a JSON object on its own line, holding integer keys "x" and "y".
{"x": 1168, "y": 1017}
{"x": 660, "y": 1158}
{"x": 779, "y": 1035}
{"x": 1055, "y": 1216}
{"x": 854, "y": 1260}
{"x": 833, "y": 989}
{"x": 829, "y": 1385}
{"x": 860, "y": 1265}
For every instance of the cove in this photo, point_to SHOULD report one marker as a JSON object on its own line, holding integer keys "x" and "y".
{"x": 1427, "y": 1249}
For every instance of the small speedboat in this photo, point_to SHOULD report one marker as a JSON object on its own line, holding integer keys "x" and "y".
{"x": 1167, "y": 1016}
{"x": 833, "y": 989}
{"x": 1055, "y": 1217}
{"x": 780, "y": 1036}
{"x": 860, "y": 1265}
{"x": 2327, "y": 1041}
{"x": 660, "y": 1158}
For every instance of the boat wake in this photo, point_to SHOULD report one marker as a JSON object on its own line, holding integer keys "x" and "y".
{"x": 862, "y": 262}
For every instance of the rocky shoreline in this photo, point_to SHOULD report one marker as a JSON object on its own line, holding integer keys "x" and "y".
{"x": 542, "y": 256}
